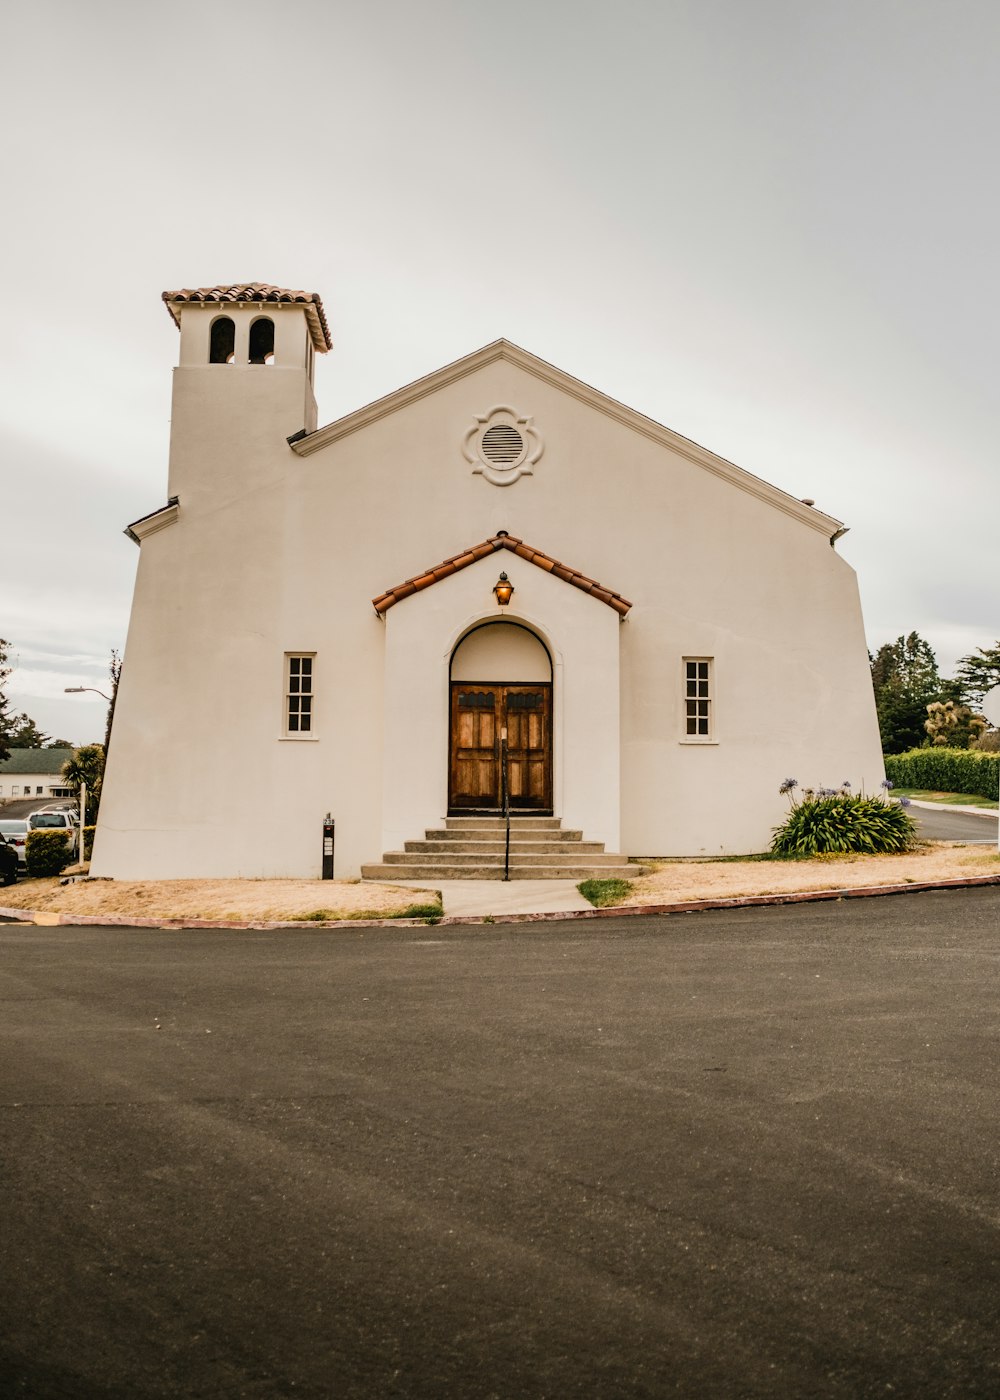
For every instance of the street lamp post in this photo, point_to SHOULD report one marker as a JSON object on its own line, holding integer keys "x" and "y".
{"x": 79, "y": 689}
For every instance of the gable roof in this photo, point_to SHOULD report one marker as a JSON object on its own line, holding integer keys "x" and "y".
{"x": 501, "y": 540}
{"x": 259, "y": 291}
{"x": 827, "y": 525}
{"x": 39, "y": 761}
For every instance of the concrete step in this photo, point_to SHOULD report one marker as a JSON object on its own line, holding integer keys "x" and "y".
{"x": 559, "y": 850}
{"x": 496, "y": 832}
{"x": 472, "y": 848}
{"x": 596, "y": 859}
{"x": 399, "y": 874}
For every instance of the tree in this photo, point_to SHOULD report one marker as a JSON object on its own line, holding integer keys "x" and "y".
{"x": 115, "y": 672}
{"x": 979, "y": 672}
{"x": 953, "y": 725}
{"x": 86, "y": 766}
{"x": 16, "y": 731}
{"x": 6, "y": 718}
{"x": 905, "y": 679}
{"x": 25, "y": 734}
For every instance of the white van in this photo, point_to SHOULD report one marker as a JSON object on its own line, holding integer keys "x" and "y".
{"x": 57, "y": 821}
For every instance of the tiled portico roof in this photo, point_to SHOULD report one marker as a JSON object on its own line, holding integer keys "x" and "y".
{"x": 259, "y": 291}
{"x": 496, "y": 542}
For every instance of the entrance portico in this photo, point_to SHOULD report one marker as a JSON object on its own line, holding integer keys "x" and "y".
{"x": 556, "y": 645}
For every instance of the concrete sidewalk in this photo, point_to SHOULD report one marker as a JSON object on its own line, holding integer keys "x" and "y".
{"x": 485, "y": 898}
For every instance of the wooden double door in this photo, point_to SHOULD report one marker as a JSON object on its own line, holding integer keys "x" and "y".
{"x": 482, "y": 716}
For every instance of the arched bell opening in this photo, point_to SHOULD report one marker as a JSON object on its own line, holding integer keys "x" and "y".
{"x": 262, "y": 341}
{"x": 500, "y": 719}
{"x": 222, "y": 341}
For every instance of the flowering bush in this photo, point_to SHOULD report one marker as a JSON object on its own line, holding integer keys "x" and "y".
{"x": 836, "y": 821}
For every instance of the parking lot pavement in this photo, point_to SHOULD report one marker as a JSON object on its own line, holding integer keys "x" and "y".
{"x": 716, "y": 1155}
{"x": 952, "y": 824}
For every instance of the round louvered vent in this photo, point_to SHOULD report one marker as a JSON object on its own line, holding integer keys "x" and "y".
{"x": 502, "y": 444}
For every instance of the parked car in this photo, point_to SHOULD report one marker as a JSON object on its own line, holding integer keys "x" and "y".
{"x": 56, "y": 821}
{"x": 16, "y": 831}
{"x": 8, "y": 863}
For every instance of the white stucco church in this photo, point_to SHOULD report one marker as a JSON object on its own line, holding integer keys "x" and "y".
{"x": 320, "y": 625}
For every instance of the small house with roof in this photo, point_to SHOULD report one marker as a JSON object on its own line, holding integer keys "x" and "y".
{"x": 34, "y": 773}
{"x": 494, "y": 589}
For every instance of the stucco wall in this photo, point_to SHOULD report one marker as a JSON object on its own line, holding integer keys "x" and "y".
{"x": 273, "y": 552}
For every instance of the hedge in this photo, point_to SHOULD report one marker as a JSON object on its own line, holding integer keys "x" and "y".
{"x": 47, "y": 852}
{"x": 946, "y": 770}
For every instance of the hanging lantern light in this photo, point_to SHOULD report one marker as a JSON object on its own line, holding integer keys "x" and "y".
{"x": 503, "y": 588}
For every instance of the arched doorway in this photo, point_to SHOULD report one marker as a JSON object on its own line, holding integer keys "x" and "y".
{"x": 501, "y": 709}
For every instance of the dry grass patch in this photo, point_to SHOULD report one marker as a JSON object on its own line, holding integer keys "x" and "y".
{"x": 684, "y": 880}
{"x": 216, "y": 899}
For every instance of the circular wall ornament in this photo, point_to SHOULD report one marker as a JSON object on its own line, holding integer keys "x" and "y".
{"x": 502, "y": 445}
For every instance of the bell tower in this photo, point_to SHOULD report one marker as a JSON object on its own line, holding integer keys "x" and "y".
{"x": 244, "y": 377}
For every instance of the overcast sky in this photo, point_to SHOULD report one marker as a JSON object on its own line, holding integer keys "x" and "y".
{"x": 770, "y": 224}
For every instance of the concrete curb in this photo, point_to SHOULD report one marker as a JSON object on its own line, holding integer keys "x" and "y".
{"x": 615, "y": 911}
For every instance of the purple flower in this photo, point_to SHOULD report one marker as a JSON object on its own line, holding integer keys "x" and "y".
{"x": 903, "y": 801}
{"x": 788, "y": 784}
{"x": 886, "y": 784}
{"x": 845, "y": 784}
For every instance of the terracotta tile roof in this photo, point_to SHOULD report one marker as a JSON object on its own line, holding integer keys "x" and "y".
{"x": 259, "y": 291}
{"x": 502, "y": 540}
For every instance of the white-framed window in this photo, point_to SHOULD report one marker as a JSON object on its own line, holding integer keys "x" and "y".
{"x": 15, "y": 790}
{"x": 299, "y": 694}
{"x": 699, "y": 699}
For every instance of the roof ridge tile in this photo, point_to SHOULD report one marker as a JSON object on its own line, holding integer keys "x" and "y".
{"x": 515, "y": 545}
{"x": 257, "y": 291}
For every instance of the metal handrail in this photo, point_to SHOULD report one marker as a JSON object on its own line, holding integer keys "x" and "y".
{"x": 505, "y": 801}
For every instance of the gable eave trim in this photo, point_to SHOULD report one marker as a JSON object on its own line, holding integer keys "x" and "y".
{"x": 501, "y": 541}
{"x": 818, "y": 520}
{"x": 155, "y": 520}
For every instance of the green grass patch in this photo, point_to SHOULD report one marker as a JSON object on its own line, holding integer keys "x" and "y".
{"x": 947, "y": 799}
{"x": 735, "y": 860}
{"x": 431, "y": 913}
{"x": 604, "y": 892}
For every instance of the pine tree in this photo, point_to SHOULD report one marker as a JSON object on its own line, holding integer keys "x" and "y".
{"x": 905, "y": 679}
{"x": 6, "y": 718}
{"x": 980, "y": 672}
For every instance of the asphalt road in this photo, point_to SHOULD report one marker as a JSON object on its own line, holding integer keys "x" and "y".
{"x": 716, "y": 1155}
{"x": 952, "y": 824}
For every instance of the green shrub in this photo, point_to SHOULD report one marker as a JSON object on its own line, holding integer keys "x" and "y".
{"x": 827, "y": 821}
{"x": 88, "y": 842}
{"x": 946, "y": 770}
{"x": 46, "y": 852}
